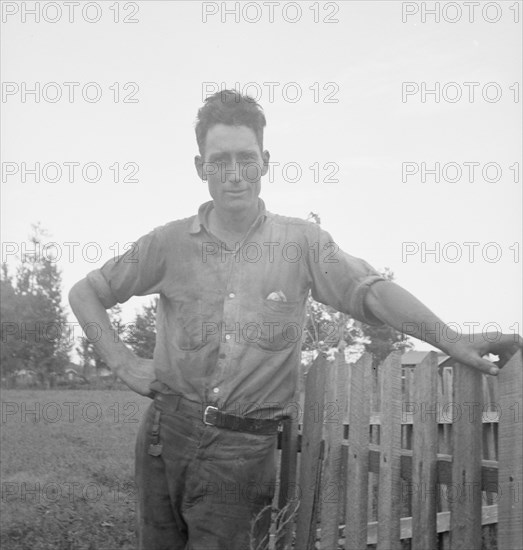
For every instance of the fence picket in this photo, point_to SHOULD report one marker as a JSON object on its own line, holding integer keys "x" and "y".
{"x": 424, "y": 454}
{"x": 465, "y": 493}
{"x": 389, "y": 502}
{"x": 287, "y": 494}
{"x": 510, "y": 451}
{"x": 358, "y": 455}
{"x": 311, "y": 446}
{"x": 331, "y": 486}
{"x": 344, "y": 384}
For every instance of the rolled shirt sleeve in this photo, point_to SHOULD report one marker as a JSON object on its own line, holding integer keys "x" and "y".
{"x": 339, "y": 279}
{"x": 138, "y": 272}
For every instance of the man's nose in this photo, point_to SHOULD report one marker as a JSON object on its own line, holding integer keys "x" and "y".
{"x": 233, "y": 172}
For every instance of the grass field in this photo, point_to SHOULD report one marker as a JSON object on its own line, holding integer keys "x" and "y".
{"x": 67, "y": 469}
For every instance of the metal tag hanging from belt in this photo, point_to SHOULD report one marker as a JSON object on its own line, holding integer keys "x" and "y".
{"x": 155, "y": 448}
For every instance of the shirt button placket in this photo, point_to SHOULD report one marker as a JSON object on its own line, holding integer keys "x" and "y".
{"x": 229, "y": 321}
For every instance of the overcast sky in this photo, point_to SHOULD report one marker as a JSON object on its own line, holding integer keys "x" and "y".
{"x": 361, "y": 116}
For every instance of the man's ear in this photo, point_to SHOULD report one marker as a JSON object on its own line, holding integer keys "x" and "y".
{"x": 198, "y": 164}
{"x": 266, "y": 158}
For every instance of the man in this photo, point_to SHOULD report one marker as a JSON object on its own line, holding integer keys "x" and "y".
{"x": 233, "y": 282}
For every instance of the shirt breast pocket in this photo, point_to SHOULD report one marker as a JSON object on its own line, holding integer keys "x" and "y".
{"x": 189, "y": 325}
{"x": 280, "y": 326}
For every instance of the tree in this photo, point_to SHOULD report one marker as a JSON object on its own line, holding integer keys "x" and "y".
{"x": 11, "y": 311}
{"x": 142, "y": 337}
{"x": 35, "y": 331}
{"x": 326, "y": 327}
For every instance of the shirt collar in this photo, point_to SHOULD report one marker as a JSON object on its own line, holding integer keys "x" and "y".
{"x": 201, "y": 220}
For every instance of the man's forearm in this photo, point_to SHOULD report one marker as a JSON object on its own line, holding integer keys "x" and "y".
{"x": 93, "y": 318}
{"x": 398, "y": 308}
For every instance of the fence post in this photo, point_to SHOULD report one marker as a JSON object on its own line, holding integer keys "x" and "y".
{"x": 311, "y": 446}
{"x": 510, "y": 445}
{"x": 331, "y": 483}
{"x": 464, "y": 493}
{"x": 358, "y": 455}
{"x": 390, "y": 449}
{"x": 289, "y": 456}
{"x": 424, "y": 454}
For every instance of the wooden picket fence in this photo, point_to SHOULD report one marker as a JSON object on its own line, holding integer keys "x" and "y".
{"x": 379, "y": 458}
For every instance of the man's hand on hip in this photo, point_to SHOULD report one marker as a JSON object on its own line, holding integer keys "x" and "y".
{"x": 138, "y": 374}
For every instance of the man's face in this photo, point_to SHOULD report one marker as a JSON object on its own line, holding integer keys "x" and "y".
{"x": 233, "y": 166}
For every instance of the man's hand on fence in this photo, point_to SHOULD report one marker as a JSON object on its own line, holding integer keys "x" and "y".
{"x": 470, "y": 349}
{"x": 399, "y": 309}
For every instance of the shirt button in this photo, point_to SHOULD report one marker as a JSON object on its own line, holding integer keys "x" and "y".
{"x": 215, "y": 390}
{"x": 232, "y": 295}
{"x": 227, "y": 336}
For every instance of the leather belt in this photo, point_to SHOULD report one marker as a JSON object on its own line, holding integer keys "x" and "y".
{"x": 212, "y": 416}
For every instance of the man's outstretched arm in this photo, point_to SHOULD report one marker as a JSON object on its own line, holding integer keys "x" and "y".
{"x": 136, "y": 372}
{"x": 398, "y": 308}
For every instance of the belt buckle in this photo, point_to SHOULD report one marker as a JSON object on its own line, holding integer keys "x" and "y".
{"x": 206, "y": 411}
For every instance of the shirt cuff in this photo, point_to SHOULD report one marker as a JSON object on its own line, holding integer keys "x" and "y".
{"x": 356, "y": 301}
{"x": 102, "y": 288}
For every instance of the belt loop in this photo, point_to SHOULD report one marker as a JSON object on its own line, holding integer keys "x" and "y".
{"x": 155, "y": 448}
{"x": 156, "y": 423}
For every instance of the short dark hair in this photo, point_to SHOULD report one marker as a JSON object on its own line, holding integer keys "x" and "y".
{"x": 232, "y": 108}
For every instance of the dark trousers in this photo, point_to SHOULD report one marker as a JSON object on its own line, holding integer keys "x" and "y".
{"x": 206, "y": 487}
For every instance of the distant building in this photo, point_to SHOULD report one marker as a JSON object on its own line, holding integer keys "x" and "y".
{"x": 24, "y": 378}
{"x": 104, "y": 372}
{"x": 72, "y": 375}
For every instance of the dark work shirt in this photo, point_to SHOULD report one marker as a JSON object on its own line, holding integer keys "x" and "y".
{"x": 229, "y": 321}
